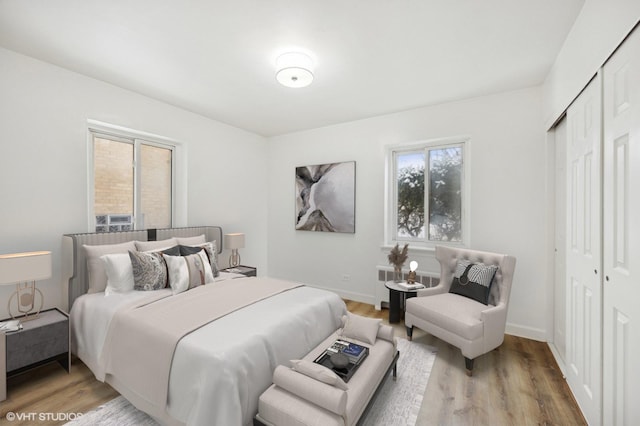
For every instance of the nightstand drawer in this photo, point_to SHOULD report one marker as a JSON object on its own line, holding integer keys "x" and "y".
{"x": 41, "y": 339}
{"x": 31, "y": 346}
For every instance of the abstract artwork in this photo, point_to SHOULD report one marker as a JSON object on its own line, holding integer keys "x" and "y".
{"x": 326, "y": 197}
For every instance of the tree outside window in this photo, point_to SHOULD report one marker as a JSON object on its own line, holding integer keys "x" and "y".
{"x": 429, "y": 206}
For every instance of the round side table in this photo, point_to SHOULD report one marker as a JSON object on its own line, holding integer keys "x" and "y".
{"x": 397, "y": 300}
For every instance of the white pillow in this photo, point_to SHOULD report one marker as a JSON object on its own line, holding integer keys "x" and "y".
{"x": 156, "y": 245}
{"x": 191, "y": 241}
{"x": 187, "y": 272}
{"x": 95, "y": 267}
{"x": 361, "y": 328}
{"x": 318, "y": 372}
{"x": 119, "y": 273}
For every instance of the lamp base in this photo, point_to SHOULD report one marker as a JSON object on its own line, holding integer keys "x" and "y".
{"x": 234, "y": 259}
{"x": 25, "y": 297}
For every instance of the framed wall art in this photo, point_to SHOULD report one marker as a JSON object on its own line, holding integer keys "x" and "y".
{"x": 326, "y": 197}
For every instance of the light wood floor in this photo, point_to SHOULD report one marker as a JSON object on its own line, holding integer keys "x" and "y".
{"x": 517, "y": 384}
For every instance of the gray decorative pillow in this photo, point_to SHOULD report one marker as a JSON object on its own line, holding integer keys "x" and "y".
{"x": 473, "y": 280}
{"x": 149, "y": 270}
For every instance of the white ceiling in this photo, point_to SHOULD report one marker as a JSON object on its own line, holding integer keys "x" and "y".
{"x": 217, "y": 58}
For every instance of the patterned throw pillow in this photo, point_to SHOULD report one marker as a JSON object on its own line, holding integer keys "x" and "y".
{"x": 149, "y": 270}
{"x": 473, "y": 280}
{"x": 189, "y": 271}
{"x": 211, "y": 249}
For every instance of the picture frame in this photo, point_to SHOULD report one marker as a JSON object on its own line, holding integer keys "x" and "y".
{"x": 325, "y": 197}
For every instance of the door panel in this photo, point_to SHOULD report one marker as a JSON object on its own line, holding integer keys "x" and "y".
{"x": 560, "y": 289}
{"x": 584, "y": 295}
{"x": 621, "y": 231}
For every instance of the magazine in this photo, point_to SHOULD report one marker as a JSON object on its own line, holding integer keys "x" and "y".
{"x": 356, "y": 354}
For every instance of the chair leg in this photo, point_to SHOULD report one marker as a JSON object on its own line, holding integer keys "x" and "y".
{"x": 469, "y": 364}
{"x": 409, "y": 332}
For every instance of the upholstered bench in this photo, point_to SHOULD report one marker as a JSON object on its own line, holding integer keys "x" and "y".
{"x": 302, "y": 397}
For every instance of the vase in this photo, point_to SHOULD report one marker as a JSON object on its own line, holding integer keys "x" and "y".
{"x": 397, "y": 274}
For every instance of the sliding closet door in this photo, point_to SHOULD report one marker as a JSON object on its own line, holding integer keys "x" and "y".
{"x": 583, "y": 250}
{"x": 621, "y": 309}
{"x": 560, "y": 288}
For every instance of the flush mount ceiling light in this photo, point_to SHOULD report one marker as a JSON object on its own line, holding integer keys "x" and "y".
{"x": 294, "y": 69}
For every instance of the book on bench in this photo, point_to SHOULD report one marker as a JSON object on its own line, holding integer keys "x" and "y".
{"x": 354, "y": 352}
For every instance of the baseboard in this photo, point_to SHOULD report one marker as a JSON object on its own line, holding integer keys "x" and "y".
{"x": 558, "y": 358}
{"x": 526, "y": 332}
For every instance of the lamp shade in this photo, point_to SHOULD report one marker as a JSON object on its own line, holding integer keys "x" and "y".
{"x": 21, "y": 267}
{"x": 234, "y": 241}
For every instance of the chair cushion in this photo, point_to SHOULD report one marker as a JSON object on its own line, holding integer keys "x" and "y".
{"x": 457, "y": 314}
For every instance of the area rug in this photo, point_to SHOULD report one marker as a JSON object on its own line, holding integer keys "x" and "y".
{"x": 397, "y": 403}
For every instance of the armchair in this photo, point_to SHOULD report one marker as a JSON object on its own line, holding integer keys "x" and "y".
{"x": 468, "y": 324}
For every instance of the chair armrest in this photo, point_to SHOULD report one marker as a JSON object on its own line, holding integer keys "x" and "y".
{"x": 494, "y": 320}
{"x": 314, "y": 391}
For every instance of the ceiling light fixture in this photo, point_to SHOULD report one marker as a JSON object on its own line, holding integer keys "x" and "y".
{"x": 294, "y": 69}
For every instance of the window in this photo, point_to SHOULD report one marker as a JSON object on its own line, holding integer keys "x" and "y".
{"x": 132, "y": 182}
{"x": 427, "y": 192}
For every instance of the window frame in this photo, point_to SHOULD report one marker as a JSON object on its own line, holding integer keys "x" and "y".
{"x": 137, "y": 139}
{"x": 391, "y": 191}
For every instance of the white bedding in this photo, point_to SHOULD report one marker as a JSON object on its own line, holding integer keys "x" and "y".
{"x": 219, "y": 370}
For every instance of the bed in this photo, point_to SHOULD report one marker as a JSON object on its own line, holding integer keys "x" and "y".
{"x": 216, "y": 372}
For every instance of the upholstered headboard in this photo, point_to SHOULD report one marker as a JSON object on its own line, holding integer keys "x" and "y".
{"x": 74, "y": 264}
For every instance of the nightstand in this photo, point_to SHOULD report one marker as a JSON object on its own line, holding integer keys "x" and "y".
{"x": 42, "y": 339}
{"x": 247, "y": 271}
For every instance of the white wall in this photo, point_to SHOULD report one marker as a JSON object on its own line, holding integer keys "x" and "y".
{"x": 508, "y": 201}
{"x": 43, "y": 162}
{"x": 598, "y": 30}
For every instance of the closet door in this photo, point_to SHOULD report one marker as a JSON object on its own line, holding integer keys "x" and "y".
{"x": 560, "y": 288}
{"x": 621, "y": 227}
{"x": 584, "y": 338}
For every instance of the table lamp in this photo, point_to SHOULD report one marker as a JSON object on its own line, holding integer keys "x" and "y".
{"x": 413, "y": 265}
{"x": 24, "y": 269}
{"x": 234, "y": 242}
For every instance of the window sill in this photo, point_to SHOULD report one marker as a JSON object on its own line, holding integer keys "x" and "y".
{"x": 419, "y": 247}
{"x": 413, "y": 247}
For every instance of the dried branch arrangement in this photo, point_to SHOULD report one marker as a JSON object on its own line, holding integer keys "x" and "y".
{"x": 397, "y": 257}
